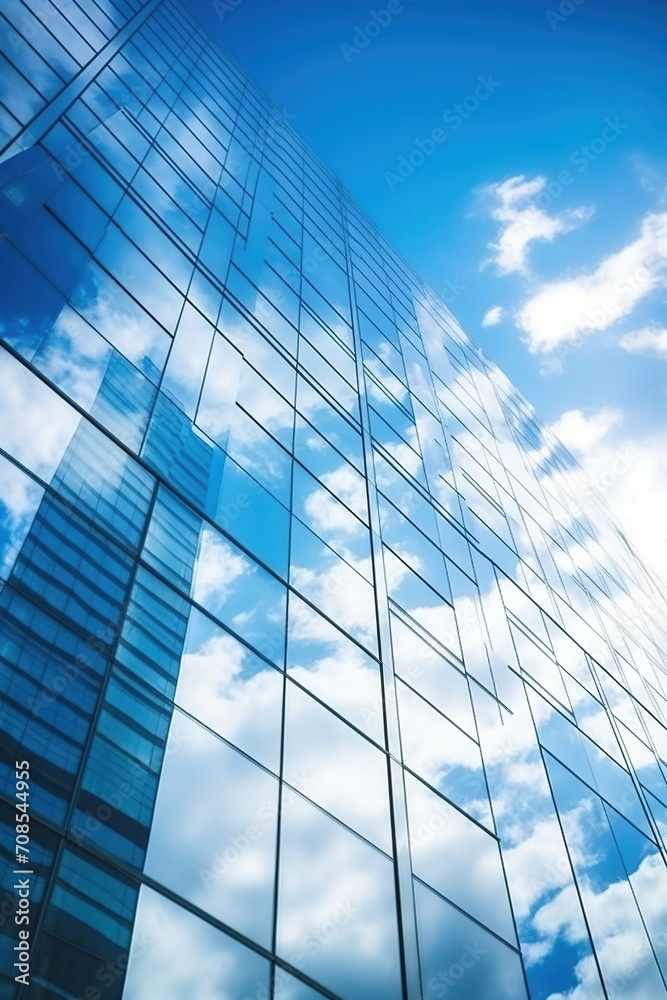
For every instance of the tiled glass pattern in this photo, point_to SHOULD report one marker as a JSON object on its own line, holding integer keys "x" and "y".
{"x": 334, "y": 680}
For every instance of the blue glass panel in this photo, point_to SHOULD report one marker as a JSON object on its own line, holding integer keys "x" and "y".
{"x": 231, "y": 690}
{"x": 29, "y": 304}
{"x": 241, "y": 594}
{"x": 458, "y": 859}
{"x": 86, "y": 934}
{"x": 175, "y": 953}
{"x": 223, "y": 857}
{"x": 460, "y": 958}
{"x": 336, "y": 907}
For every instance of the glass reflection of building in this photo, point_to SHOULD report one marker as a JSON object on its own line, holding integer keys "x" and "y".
{"x": 335, "y": 679}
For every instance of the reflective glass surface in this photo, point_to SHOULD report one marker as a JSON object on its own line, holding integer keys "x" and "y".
{"x": 333, "y": 676}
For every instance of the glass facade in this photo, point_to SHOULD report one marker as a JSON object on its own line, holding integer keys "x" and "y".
{"x": 332, "y": 677}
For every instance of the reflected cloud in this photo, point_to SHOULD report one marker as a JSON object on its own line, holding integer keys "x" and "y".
{"x": 336, "y": 670}
{"x": 333, "y": 584}
{"x": 127, "y": 327}
{"x": 240, "y": 594}
{"x": 175, "y": 953}
{"x": 231, "y": 690}
{"x": 75, "y": 357}
{"x": 337, "y": 909}
{"x": 20, "y": 498}
{"x": 219, "y": 565}
{"x": 221, "y": 854}
{"x": 347, "y": 775}
{"x": 442, "y": 755}
{"x": 36, "y": 425}
{"x": 457, "y": 858}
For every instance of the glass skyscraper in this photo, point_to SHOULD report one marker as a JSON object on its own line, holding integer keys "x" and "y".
{"x": 331, "y": 675}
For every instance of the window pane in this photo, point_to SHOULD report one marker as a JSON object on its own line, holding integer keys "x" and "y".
{"x": 328, "y": 663}
{"x": 331, "y": 879}
{"x": 213, "y": 838}
{"x": 457, "y": 858}
{"x": 241, "y": 594}
{"x": 231, "y": 690}
{"x": 459, "y": 956}
{"x": 442, "y": 755}
{"x": 336, "y": 767}
{"x": 175, "y": 954}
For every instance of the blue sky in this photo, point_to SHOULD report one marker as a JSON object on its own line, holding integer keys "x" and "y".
{"x": 565, "y": 90}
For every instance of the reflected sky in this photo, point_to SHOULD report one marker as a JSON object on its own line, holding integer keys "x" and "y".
{"x": 284, "y": 420}
{"x": 336, "y": 908}
{"x": 457, "y": 858}
{"x": 326, "y": 662}
{"x": 39, "y": 437}
{"x": 120, "y": 320}
{"x": 221, "y": 855}
{"x": 240, "y": 593}
{"x": 20, "y": 497}
{"x": 345, "y": 774}
{"x": 231, "y": 690}
{"x": 177, "y": 954}
{"x": 332, "y": 583}
{"x": 460, "y": 958}
{"x": 442, "y": 755}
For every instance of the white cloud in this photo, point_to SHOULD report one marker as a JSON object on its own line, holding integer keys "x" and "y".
{"x": 345, "y": 775}
{"x": 19, "y": 500}
{"x": 343, "y": 591}
{"x": 623, "y": 948}
{"x": 493, "y": 316}
{"x": 127, "y": 327}
{"x": 347, "y": 484}
{"x": 36, "y": 425}
{"x": 175, "y": 953}
{"x": 441, "y": 754}
{"x": 326, "y": 873}
{"x": 580, "y": 433}
{"x": 389, "y": 381}
{"x": 630, "y": 473}
{"x": 332, "y": 519}
{"x": 473, "y": 879}
{"x": 523, "y": 221}
{"x": 639, "y": 496}
{"x": 647, "y": 340}
{"x": 564, "y": 311}
{"x": 649, "y": 176}
{"x": 408, "y": 457}
{"x": 537, "y": 865}
{"x": 75, "y": 357}
{"x": 222, "y": 685}
{"x": 218, "y": 567}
